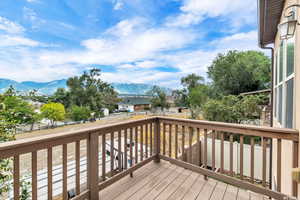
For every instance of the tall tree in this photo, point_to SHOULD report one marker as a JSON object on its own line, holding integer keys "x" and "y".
{"x": 159, "y": 98}
{"x": 89, "y": 91}
{"x": 236, "y": 72}
{"x": 193, "y": 95}
{"x": 192, "y": 80}
{"x": 197, "y": 97}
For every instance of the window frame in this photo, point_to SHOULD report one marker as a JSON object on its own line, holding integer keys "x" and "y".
{"x": 283, "y": 83}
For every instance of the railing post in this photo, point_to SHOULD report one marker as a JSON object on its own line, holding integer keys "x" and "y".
{"x": 157, "y": 140}
{"x": 92, "y": 173}
{"x": 295, "y": 165}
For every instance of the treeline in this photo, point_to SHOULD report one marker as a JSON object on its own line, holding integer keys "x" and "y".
{"x": 229, "y": 75}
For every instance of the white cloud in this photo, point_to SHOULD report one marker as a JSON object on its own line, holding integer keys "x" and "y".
{"x": 126, "y": 27}
{"x": 118, "y": 47}
{"x": 132, "y": 46}
{"x": 32, "y": 1}
{"x": 10, "y": 27}
{"x": 7, "y": 41}
{"x": 238, "y": 12}
{"x": 31, "y": 16}
{"x": 117, "y": 4}
{"x": 147, "y": 64}
{"x": 13, "y": 35}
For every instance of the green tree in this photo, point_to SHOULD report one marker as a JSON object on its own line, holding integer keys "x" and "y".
{"x": 234, "y": 109}
{"x": 159, "y": 98}
{"x": 78, "y": 113}
{"x": 62, "y": 96}
{"x": 191, "y": 81}
{"x": 180, "y": 97}
{"x": 193, "y": 95}
{"x": 88, "y": 90}
{"x": 237, "y": 72}
{"x": 13, "y": 112}
{"x": 197, "y": 97}
{"x": 17, "y": 111}
{"x": 54, "y": 112}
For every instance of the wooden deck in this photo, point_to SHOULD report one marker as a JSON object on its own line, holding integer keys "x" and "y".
{"x": 167, "y": 181}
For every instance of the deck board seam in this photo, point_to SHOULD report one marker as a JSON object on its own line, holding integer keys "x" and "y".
{"x": 169, "y": 172}
{"x": 205, "y": 182}
{"x": 178, "y": 176}
{"x": 155, "y": 184}
{"x": 198, "y": 175}
{"x": 144, "y": 173}
{"x": 212, "y": 192}
{"x": 167, "y": 166}
{"x": 225, "y": 192}
{"x": 180, "y": 184}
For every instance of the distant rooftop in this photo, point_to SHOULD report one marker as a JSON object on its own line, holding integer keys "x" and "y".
{"x": 136, "y": 100}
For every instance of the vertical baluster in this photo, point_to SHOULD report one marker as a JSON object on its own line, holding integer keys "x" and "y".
{"x": 136, "y": 145}
{"x": 103, "y": 157}
{"x": 205, "y": 148}
{"x": 130, "y": 146}
{"x": 146, "y": 139}
{"x": 205, "y": 151}
{"x": 198, "y": 147}
{"x": 183, "y": 143}
{"x": 112, "y": 163}
{"x": 125, "y": 149}
{"x": 264, "y": 155}
{"x": 142, "y": 142}
{"x": 190, "y": 144}
{"x": 77, "y": 163}
{"x": 252, "y": 160}
{"x": 295, "y": 165}
{"x": 157, "y": 141}
{"x": 170, "y": 140}
{"x": 241, "y": 156}
{"x": 65, "y": 171}
{"x": 164, "y": 139}
{"x": 213, "y": 149}
{"x": 231, "y": 154}
{"x": 151, "y": 139}
{"x": 34, "y": 174}
{"x": 16, "y": 177}
{"x": 120, "y": 166}
{"x": 49, "y": 166}
{"x": 222, "y": 152}
{"x": 176, "y": 141}
{"x": 278, "y": 165}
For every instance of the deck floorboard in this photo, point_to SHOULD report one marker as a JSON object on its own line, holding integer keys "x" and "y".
{"x": 165, "y": 181}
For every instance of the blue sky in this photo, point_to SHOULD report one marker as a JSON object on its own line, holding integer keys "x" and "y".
{"x": 138, "y": 41}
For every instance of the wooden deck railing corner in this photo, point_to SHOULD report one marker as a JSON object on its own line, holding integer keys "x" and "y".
{"x": 234, "y": 153}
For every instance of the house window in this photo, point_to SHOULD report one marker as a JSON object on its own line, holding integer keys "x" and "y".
{"x": 284, "y": 83}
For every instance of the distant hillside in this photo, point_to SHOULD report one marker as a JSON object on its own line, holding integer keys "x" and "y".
{"x": 48, "y": 88}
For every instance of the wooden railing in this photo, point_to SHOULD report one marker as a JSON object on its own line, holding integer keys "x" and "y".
{"x": 190, "y": 139}
{"x": 117, "y": 150}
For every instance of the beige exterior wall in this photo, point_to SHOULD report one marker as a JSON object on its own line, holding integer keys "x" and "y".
{"x": 287, "y": 152}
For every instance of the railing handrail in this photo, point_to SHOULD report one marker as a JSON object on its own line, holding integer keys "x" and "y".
{"x": 264, "y": 131}
{"x": 40, "y": 142}
{"x": 282, "y": 133}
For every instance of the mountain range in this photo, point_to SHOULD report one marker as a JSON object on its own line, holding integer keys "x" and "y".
{"x": 48, "y": 88}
